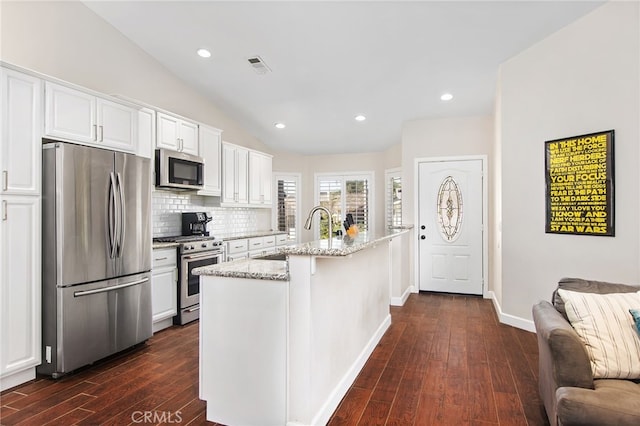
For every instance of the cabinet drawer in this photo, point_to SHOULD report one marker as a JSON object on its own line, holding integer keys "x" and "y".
{"x": 166, "y": 257}
{"x": 256, "y": 243}
{"x": 269, "y": 241}
{"x": 237, "y": 246}
{"x": 232, "y": 257}
{"x": 281, "y": 239}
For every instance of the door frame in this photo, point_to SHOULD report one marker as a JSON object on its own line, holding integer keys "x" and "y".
{"x": 485, "y": 215}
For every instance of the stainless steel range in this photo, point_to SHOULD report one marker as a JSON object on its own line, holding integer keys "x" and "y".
{"x": 194, "y": 251}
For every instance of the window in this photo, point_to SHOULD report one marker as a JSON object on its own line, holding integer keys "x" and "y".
{"x": 287, "y": 210}
{"x": 345, "y": 194}
{"x": 393, "y": 197}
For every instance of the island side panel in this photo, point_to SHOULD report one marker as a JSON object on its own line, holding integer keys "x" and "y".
{"x": 243, "y": 350}
{"x": 349, "y": 313}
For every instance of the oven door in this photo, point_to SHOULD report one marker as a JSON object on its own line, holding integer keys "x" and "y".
{"x": 189, "y": 283}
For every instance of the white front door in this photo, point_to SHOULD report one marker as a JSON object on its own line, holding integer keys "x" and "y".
{"x": 450, "y": 245}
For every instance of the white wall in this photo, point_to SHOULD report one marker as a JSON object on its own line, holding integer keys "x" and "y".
{"x": 582, "y": 79}
{"x": 443, "y": 137}
{"x": 309, "y": 165}
{"x": 68, "y": 41}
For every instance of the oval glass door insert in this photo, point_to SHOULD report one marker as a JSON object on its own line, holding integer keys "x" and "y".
{"x": 449, "y": 209}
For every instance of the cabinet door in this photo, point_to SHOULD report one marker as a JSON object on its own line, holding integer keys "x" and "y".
{"x": 116, "y": 125}
{"x": 228, "y": 173}
{"x": 164, "y": 294}
{"x": 20, "y": 324}
{"x": 188, "y": 134}
{"x": 168, "y": 131}
{"x": 242, "y": 175}
{"x": 21, "y": 150}
{"x": 209, "y": 142}
{"x": 69, "y": 114}
{"x": 146, "y": 132}
{"x": 260, "y": 179}
{"x": 266, "y": 183}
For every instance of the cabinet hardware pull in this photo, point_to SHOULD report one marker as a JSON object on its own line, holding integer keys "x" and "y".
{"x": 101, "y": 133}
{"x": 4, "y": 210}
{"x": 5, "y": 180}
{"x": 161, "y": 258}
{"x": 95, "y": 132}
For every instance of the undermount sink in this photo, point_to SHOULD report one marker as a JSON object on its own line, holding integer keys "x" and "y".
{"x": 274, "y": 256}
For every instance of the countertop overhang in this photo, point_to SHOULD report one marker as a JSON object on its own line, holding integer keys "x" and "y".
{"x": 278, "y": 270}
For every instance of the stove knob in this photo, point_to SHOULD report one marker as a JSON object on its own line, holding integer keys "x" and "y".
{"x": 204, "y": 245}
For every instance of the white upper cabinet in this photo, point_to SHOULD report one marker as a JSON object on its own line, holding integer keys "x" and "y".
{"x": 260, "y": 166}
{"x": 177, "y": 134}
{"x": 74, "y": 115}
{"x": 235, "y": 164}
{"x": 21, "y": 133}
{"x": 70, "y": 114}
{"x": 146, "y": 132}
{"x": 210, "y": 150}
{"x": 117, "y": 125}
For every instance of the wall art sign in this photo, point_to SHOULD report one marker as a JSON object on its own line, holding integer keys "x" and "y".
{"x": 579, "y": 185}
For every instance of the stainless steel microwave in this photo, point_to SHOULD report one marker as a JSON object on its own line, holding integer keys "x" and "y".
{"x": 179, "y": 171}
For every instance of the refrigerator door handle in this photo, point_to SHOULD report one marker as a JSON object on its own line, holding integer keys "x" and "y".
{"x": 111, "y": 288}
{"x": 113, "y": 224}
{"x": 121, "y": 231}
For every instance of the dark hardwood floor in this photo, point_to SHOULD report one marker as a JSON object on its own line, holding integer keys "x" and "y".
{"x": 445, "y": 360}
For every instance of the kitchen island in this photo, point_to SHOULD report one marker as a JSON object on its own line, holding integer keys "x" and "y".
{"x": 281, "y": 342}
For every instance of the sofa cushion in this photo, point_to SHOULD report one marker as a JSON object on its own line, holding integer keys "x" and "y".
{"x": 587, "y": 286}
{"x": 608, "y": 331}
{"x": 612, "y": 402}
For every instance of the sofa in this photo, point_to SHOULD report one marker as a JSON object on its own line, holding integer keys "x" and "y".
{"x": 570, "y": 394}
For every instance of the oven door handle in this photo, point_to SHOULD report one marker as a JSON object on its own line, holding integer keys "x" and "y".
{"x": 203, "y": 256}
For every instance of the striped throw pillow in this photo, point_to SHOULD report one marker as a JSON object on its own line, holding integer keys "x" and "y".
{"x": 608, "y": 331}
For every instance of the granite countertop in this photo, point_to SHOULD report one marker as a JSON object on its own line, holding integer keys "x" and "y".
{"x": 255, "y": 269}
{"x": 254, "y": 234}
{"x": 277, "y": 270}
{"x": 339, "y": 246}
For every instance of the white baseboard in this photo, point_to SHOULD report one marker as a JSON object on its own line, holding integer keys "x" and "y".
{"x": 12, "y": 380}
{"x": 400, "y": 301}
{"x": 162, "y": 324}
{"x": 329, "y": 407}
{"x": 511, "y": 320}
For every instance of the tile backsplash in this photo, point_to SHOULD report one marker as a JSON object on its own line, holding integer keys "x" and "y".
{"x": 167, "y": 208}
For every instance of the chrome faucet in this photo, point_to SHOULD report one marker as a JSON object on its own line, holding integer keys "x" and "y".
{"x": 307, "y": 224}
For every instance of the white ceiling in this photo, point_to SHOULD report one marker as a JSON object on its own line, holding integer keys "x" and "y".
{"x": 330, "y": 61}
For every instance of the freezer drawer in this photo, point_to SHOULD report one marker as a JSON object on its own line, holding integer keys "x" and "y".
{"x": 96, "y": 320}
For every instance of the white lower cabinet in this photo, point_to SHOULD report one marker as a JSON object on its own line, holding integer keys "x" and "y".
{"x": 164, "y": 287}
{"x": 20, "y": 292}
{"x": 237, "y": 249}
{"x": 243, "y": 248}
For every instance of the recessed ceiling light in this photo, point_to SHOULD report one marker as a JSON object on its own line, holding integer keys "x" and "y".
{"x": 360, "y": 117}
{"x": 280, "y": 125}
{"x": 446, "y": 97}
{"x": 204, "y": 53}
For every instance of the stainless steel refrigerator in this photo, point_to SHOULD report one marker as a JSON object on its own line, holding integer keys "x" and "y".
{"x": 96, "y": 254}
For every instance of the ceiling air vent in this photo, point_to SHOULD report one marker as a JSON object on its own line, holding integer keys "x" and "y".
{"x": 258, "y": 65}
